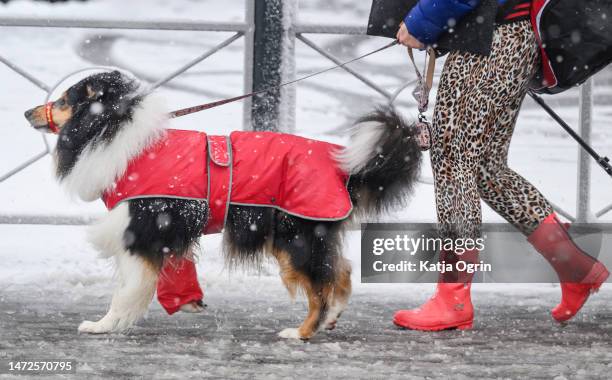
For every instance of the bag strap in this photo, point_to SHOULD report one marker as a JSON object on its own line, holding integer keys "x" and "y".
{"x": 431, "y": 65}
{"x": 421, "y": 94}
{"x": 425, "y": 83}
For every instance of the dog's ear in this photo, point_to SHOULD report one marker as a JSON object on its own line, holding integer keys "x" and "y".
{"x": 97, "y": 91}
{"x": 106, "y": 81}
{"x": 93, "y": 92}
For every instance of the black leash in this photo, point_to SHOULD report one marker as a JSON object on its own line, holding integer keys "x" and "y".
{"x": 202, "y": 107}
{"x": 604, "y": 162}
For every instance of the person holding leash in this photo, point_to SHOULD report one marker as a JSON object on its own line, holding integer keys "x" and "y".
{"x": 493, "y": 57}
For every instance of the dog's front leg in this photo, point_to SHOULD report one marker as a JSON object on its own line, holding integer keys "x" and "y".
{"x": 137, "y": 280}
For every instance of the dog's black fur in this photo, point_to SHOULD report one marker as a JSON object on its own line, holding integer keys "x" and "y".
{"x": 309, "y": 251}
{"x": 313, "y": 246}
{"x": 160, "y": 226}
{"x": 388, "y": 179}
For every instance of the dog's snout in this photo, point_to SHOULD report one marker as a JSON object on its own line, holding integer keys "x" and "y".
{"x": 35, "y": 117}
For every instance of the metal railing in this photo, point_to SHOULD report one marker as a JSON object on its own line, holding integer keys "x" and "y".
{"x": 239, "y": 30}
{"x": 246, "y": 30}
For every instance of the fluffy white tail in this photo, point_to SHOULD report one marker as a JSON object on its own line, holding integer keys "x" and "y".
{"x": 383, "y": 159}
{"x": 363, "y": 146}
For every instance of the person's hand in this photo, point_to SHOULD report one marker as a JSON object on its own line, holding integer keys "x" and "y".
{"x": 405, "y": 38}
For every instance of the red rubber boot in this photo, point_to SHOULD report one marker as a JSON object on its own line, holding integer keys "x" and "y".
{"x": 451, "y": 305}
{"x": 178, "y": 287}
{"x": 580, "y": 274}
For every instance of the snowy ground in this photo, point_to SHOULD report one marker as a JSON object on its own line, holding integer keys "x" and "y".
{"x": 51, "y": 283}
{"x": 50, "y": 279}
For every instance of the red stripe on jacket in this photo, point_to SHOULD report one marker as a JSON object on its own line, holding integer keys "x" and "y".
{"x": 517, "y": 15}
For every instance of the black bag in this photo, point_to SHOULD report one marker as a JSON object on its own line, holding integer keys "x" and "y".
{"x": 386, "y": 16}
{"x": 474, "y": 34}
{"x": 575, "y": 38}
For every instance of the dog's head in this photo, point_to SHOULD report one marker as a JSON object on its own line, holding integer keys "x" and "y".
{"x": 89, "y": 105}
{"x": 88, "y": 114}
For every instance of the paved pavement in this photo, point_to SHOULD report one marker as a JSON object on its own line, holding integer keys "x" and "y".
{"x": 236, "y": 338}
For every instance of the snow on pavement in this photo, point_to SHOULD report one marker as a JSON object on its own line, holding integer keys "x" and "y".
{"x": 51, "y": 280}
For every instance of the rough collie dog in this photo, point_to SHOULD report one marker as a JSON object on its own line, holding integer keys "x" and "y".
{"x": 268, "y": 193}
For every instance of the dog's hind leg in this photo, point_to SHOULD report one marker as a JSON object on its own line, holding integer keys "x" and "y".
{"x": 341, "y": 293}
{"x": 318, "y": 303}
{"x": 319, "y": 297}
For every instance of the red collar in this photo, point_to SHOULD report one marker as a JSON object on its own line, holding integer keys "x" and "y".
{"x": 49, "y": 113}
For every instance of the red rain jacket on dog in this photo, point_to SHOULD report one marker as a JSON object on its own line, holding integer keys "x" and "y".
{"x": 178, "y": 284}
{"x": 294, "y": 174}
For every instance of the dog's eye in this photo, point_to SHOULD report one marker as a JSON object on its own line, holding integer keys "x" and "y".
{"x": 61, "y": 102}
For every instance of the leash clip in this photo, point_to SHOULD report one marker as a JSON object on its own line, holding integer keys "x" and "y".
{"x": 421, "y": 95}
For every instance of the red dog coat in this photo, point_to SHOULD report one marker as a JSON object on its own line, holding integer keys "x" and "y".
{"x": 294, "y": 174}
{"x": 291, "y": 173}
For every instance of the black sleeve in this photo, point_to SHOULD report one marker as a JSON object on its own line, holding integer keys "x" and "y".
{"x": 386, "y": 16}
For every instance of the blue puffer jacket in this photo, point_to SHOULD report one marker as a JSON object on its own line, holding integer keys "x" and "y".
{"x": 429, "y": 19}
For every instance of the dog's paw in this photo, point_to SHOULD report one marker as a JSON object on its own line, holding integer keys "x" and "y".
{"x": 89, "y": 327}
{"x": 332, "y": 318}
{"x": 330, "y": 325}
{"x": 290, "y": 334}
{"x": 193, "y": 307}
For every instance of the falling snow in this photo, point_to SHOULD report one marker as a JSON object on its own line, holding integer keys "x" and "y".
{"x": 50, "y": 278}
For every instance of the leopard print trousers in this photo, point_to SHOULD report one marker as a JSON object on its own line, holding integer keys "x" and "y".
{"x": 478, "y": 101}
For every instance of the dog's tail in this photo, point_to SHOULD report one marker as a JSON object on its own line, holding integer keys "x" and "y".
{"x": 383, "y": 159}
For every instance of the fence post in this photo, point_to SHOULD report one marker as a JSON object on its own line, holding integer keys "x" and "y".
{"x": 249, "y": 50}
{"x": 584, "y": 164}
{"x": 288, "y": 93}
{"x": 270, "y": 50}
